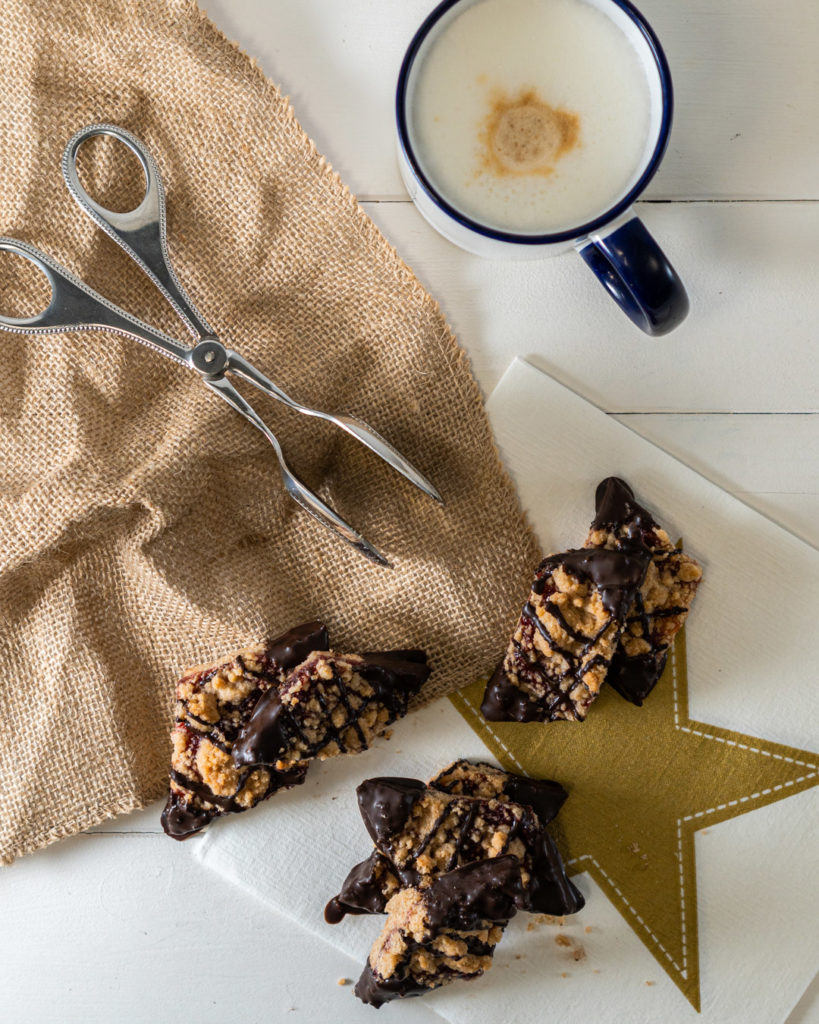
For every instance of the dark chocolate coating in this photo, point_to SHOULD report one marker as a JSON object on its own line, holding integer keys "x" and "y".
{"x": 292, "y": 647}
{"x": 395, "y": 675}
{"x": 544, "y": 796}
{"x": 386, "y": 803}
{"x": 615, "y": 506}
{"x": 551, "y": 891}
{"x": 635, "y": 676}
{"x": 467, "y": 897}
{"x": 385, "y": 806}
{"x": 404, "y": 654}
{"x": 361, "y": 892}
{"x": 616, "y": 574}
{"x": 264, "y": 734}
{"x": 376, "y": 991}
{"x": 504, "y": 702}
{"x": 180, "y": 820}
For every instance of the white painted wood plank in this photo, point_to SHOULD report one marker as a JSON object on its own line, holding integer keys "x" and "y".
{"x": 746, "y": 80}
{"x": 108, "y": 928}
{"x": 770, "y": 462}
{"x": 745, "y": 74}
{"x": 145, "y": 822}
{"x": 748, "y": 345}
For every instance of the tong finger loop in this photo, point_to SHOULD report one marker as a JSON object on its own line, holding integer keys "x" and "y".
{"x": 142, "y": 232}
{"x": 43, "y": 264}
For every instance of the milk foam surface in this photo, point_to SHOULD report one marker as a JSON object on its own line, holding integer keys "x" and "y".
{"x": 574, "y": 59}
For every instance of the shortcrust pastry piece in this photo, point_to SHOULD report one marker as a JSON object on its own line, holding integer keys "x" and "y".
{"x": 477, "y": 778}
{"x": 560, "y": 653}
{"x": 213, "y": 703}
{"x": 330, "y": 704}
{"x": 441, "y": 932}
{"x": 661, "y": 604}
{"x": 420, "y": 833}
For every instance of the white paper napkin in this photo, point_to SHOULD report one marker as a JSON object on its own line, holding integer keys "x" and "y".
{"x": 758, "y": 903}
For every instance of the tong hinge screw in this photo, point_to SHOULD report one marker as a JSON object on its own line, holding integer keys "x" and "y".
{"x": 209, "y": 357}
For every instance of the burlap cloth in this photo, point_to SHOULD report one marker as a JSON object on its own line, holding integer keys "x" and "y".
{"x": 143, "y": 524}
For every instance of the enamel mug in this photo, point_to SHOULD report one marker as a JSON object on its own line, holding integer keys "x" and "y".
{"x": 614, "y": 243}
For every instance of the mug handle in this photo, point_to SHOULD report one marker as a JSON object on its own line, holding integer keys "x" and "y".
{"x": 635, "y": 271}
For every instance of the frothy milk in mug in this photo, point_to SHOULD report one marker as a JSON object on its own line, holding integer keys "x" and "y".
{"x": 531, "y": 116}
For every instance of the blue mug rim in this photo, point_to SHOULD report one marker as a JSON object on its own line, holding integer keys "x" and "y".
{"x": 560, "y": 236}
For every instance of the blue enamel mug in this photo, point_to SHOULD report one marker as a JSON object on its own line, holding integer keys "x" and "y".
{"x": 612, "y": 240}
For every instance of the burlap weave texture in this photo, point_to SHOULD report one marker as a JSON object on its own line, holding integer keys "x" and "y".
{"x": 143, "y": 524}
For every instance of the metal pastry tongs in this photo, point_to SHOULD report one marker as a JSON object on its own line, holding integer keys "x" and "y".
{"x": 142, "y": 234}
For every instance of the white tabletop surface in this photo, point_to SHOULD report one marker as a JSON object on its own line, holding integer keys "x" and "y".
{"x": 120, "y": 924}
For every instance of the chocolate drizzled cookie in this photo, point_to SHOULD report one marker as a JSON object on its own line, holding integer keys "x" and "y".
{"x": 663, "y": 599}
{"x": 445, "y": 931}
{"x": 248, "y": 726}
{"x": 421, "y": 832}
{"x": 213, "y": 704}
{"x": 568, "y": 631}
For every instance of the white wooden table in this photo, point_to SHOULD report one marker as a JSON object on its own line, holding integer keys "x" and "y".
{"x": 120, "y": 923}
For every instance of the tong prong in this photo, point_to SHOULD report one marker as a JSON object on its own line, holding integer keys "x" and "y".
{"x": 353, "y": 426}
{"x": 300, "y": 493}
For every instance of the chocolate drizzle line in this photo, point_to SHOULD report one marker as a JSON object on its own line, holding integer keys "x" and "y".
{"x": 204, "y": 792}
{"x": 400, "y": 796}
{"x": 577, "y": 667}
{"x": 181, "y": 817}
{"x": 352, "y": 717}
{"x": 410, "y": 875}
